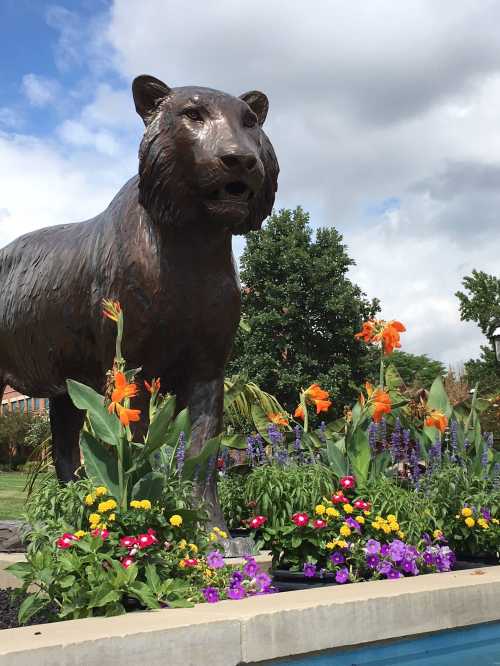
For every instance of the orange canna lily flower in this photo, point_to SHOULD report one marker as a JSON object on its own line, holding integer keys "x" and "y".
{"x": 278, "y": 419}
{"x": 384, "y": 332}
{"x": 111, "y": 309}
{"x": 127, "y": 415}
{"x": 437, "y": 420}
{"x": 323, "y": 405}
{"x": 299, "y": 413}
{"x": 122, "y": 388}
{"x": 315, "y": 392}
{"x": 382, "y": 403}
{"x": 154, "y": 387}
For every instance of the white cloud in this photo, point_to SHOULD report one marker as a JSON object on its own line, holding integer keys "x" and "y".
{"x": 368, "y": 101}
{"x": 39, "y": 90}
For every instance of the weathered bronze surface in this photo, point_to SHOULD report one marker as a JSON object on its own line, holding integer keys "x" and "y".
{"x": 163, "y": 249}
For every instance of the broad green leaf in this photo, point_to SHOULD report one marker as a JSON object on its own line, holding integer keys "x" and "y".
{"x": 21, "y": 570}
{"x": 102, "y": 596}
{"x": 101, "y": 463}
{"x": 182, "y": 423}
{"x": 152, "y": 578}
{"x": 336, "y": 458}
{"x": 105, "y": 425}
{"x": 232, "y": 390}
{"x": 31, "y": 605}
{"x": 158, "y": 428}
{"x": 150, "y": 487}
{"x": 261, "y": 422}
{"x": 438, "y": 400}
{"x": 198, "y": 465}
{"x": 393, "y": 379}
{"x": 359, "y": 454}
{"x": 234, "y": 441}
{"x": 142, "y": 592}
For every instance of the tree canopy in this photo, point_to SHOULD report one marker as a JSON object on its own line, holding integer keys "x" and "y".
{"x": 302, "y": 310}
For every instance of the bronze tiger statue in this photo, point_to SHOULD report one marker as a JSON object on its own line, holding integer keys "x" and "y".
{"x": 162, "y": 248}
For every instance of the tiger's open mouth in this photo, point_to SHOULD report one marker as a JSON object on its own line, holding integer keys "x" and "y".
{"x": 235, "y": 192}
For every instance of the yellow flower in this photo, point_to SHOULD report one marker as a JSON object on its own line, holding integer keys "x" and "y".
{"x": 360, "y": 520}
{"x": 101, "y": 490}
{"x": 94, "y": 518}
{"x": 347, "y": 508}
{"x": 212, "y": 536}
{"x": 112, "y": 517}
{"x": 193, "y": 547}
{"x": 145, "y": 504}
{"x": 89, "y": 500}
{"x": 345, "y": 530}
{"x": 109, "y": 505}
{"x": 330, "y": 545}
{"x": 466, "y": 512}
{"x": 401, "y": 535}
{"x": 135, "y": 504}
{"x": 222, "y": 534}
{"x": 333, "y": 513}
{"x": 175, "y": 520}
{"x": 208, "y": 573}
{"x": 394, "y": 527}
{"x": 437, "y": 533}
{"x": 495, "y": 521}
{"x": 483, "y": 523}
{"x": 80, "y": 534}
{"x": 470, "y": 522}
{"x": 341, "y": 543}
{"x": 367, "y": 513}
{"x": 391, "y": 518}
{"x": 320, "y": 509}
{"x": 376, "y": 525}
{"x": 182, "y": 564}
{"x": 386, "y": 529}
{"x": 182, "y": 544}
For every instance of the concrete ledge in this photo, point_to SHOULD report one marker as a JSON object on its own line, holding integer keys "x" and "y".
{"x": 238, "y": 632}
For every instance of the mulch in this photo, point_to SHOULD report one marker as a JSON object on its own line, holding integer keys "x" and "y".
{"x": 9, "y": 608}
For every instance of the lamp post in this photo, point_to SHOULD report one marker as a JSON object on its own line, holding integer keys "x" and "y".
{"x": 496, "y": 341}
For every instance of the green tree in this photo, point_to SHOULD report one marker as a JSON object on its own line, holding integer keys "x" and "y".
{"x": 416, "y": 370}
{"x": 481, "y": 303}
{"x": 13, "y": 429}
{"x": 303, "y": 311}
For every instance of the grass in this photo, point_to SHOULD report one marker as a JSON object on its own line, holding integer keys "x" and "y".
{"x": 12, "y": 495}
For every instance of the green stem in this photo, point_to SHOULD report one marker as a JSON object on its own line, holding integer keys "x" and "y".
{"x": 382, "y": 373}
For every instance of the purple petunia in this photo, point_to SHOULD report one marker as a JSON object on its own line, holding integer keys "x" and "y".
{"x": 215, "y": 560}
{"x": 393, "y": 574}
{"x": 309, "y": 570}
{"x": 384, "y": 568}
{"x": 251, "y": 567}
{"x": 337, "y": 558}
{"x": 397, "y": 550}
{"x": 372, "y": 561}
{"x": 211, "y": 594}
{"x": 236, "y": 592}
{"x": 384, "y": 549}
{"x": 342, "y": 576}
{"x": 372, "y": 547}
{"x": 236, "y": 578}
{"x": 353, "y": 524}
{"x": 264, "y": 582}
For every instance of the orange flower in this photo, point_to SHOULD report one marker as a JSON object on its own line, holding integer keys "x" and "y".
{"x": 437, "y": 420}
{"x": 390, "y": 335}
{"x": 366, "y": 332}
{"x": 122, "y": 388}
{"x": 111, "y": 309}
{"x": 154, "y": 387}
{"x": 382, "y": 403}
{"x": 318, "y": 397}
{"x": 299, "y": 413}
{"x": 127, "y": 415}
{"x": 384, "y": 332}
{"x": 278, "y": 419}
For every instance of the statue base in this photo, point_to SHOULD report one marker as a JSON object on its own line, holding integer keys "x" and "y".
{"x": 238, "y": 547}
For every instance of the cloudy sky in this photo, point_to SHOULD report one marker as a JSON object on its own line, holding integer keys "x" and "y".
{"x": 385, "y": 116}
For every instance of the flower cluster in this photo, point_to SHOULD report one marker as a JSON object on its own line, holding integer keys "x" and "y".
{"x": 387, "y": 525}
{"x": 481, "y": 518}
{"x": 315, "y": 396}
{"x": 396, "y": 558}
{"x": 383, "y": 333}
{"x": 135, "y": 543}
{"x": 141, "y": 504}
{"x": 257, "y": 522}
{"x": 248, "y": 582}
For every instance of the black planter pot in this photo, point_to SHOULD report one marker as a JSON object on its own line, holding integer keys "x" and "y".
{"x": 288, "y": 581}
{"x": 467, "y": 561}
{"x": 132, "y": 604}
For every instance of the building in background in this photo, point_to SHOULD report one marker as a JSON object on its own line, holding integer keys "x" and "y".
{"x": 13, "y": 401}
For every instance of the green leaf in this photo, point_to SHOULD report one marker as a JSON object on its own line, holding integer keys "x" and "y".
{"x": 105, "y": 425}
{"x": 232, "y": 390}
{"x": 234, "y": 441}
{"x": 336, "y": 457}
{"x": 197, "y": 465}
{"x": 102, "y": 596}
{"x": 21, "y": 570}
{"x": 158, "y": 428}
{"x": 66, "y": 581}
{"x": 149, "y": 487}
{"x": 261, "y": 422}
{"x": 142, "y": 592}
{"x": 393, "y": 379}
{"x": 359, "y": 454}
{"x": 438, "y": 400}
{"x": 30, "y": 606}
{"x": 152, "y": 578}
{"x": 101, "y": 463}
{"x": 182, "y": 423}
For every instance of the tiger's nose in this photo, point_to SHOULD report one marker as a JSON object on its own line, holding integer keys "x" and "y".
{"x": 234, "y": 161}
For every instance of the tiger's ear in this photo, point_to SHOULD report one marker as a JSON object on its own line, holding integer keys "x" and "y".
{"x": 258, "y": 102}
{"x": 148, "y": 92}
